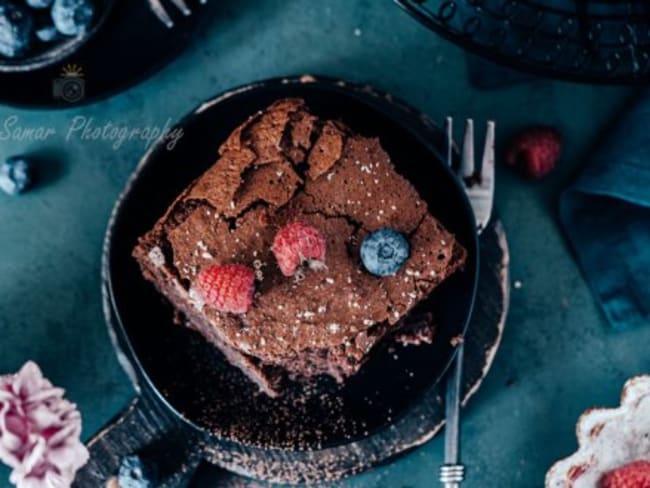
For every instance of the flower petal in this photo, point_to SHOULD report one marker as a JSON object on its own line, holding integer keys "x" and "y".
{"x": 39, "y": 431}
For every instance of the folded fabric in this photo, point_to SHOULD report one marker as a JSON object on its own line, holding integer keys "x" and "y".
{"x": 606, "y": 215}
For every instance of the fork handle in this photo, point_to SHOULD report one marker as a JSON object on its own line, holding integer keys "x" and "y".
{"x": 452, "y": 472}
{"x": 452, "y": 475}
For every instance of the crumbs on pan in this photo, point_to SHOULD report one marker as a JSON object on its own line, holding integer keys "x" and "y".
{"x": 457, "y": 340}
{"x": 156, "y": 256}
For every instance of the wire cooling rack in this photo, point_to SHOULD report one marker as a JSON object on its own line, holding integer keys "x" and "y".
{"x": 596, "y": 41}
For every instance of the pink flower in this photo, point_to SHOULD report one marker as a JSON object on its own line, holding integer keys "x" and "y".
{"x": 39, "y": 431}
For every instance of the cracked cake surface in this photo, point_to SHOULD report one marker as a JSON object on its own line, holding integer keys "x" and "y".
{"x": 286, "y": 165}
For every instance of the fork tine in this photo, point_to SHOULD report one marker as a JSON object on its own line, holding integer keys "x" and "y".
{"x": 487, "y": 162}
{"x": 449, "y": 129}
{"x": 483, "y": 194}
{"x": 161, "y": 13}
{"x": 182, "y": 6}
{"x": 467, "y": 161}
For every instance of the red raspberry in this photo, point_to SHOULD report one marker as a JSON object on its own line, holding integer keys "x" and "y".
{"x": 535, "y": 151}
{"x": 227, "y": 287}
{"x": 633, "y": 475}
{"x": 296, "y": 243}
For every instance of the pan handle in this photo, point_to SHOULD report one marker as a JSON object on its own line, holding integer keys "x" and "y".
{"x": 144, "y": 428}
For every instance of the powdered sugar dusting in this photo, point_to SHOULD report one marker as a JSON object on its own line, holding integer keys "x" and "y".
{"x": 156, "y": 256}
{"x": 196, "y": 299}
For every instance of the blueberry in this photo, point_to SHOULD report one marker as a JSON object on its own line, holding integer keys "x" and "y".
{"x": 72, "y": 17}
{"x": 47, "y": 33}
{"x": 384, "y": 252}
{"x": 16, "y": 28}
{"x": 39, "y": 3}
{"x": 44, "y": 28}
{"x": 136, "y": 472}
{"x": 15, "y": 175}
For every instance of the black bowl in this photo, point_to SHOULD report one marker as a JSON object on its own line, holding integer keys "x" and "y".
{"x": 57, "y": 51}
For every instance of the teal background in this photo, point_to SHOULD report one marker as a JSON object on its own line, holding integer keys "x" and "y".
{"x": 558, "y": 356}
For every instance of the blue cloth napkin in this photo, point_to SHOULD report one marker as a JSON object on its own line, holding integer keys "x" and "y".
{"x": 606, "y": 215}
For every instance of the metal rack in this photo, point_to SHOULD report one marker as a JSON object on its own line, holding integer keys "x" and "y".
{"x": 596, "y": 41}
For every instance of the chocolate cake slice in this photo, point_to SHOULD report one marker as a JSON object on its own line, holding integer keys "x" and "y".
{"x": 285, "y": 165}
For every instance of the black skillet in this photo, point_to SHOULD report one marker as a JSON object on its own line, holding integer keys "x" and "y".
{"x": 191, "y": 404}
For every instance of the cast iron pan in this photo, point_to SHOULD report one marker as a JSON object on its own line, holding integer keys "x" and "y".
{"x": 193, "y": 405}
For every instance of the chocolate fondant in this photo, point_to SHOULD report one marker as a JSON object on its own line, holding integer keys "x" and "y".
{"x": 283, "y": 165}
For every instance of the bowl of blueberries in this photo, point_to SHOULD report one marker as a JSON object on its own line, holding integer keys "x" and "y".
{"x": 38, "y": 33}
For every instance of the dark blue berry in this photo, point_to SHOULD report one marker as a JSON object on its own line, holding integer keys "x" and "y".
{"x": 384, "y": 252}
{"x": 39, "y": 3}
{"x": 15, "y": 175}
{"x": 73, "y": 17}
{"x": 16, "y": 29}
{"x": 48, "y": 33}
{"x": 135, "y": 472}
{"x": 44, "y": 28}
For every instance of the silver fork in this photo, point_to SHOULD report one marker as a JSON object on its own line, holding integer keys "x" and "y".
{"x": 479, "y": 186}
{"x": 162, "y": 14}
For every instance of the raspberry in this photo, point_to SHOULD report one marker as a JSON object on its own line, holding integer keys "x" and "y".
{"x": 535, "y": 151}
{"x": 227, "y": 287}
{"x": 633, "y": 475}
{"x": 296, "y": 243}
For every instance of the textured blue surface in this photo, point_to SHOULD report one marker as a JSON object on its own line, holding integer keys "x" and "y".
{"x": 558, "y": 356}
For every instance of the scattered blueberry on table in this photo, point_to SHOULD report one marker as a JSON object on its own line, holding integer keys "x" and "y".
{"x": 16, "y": 29}
{"x": 384, "y": 252}
{"x": 136, "y": 472}
{"x": 16, "y": 175}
